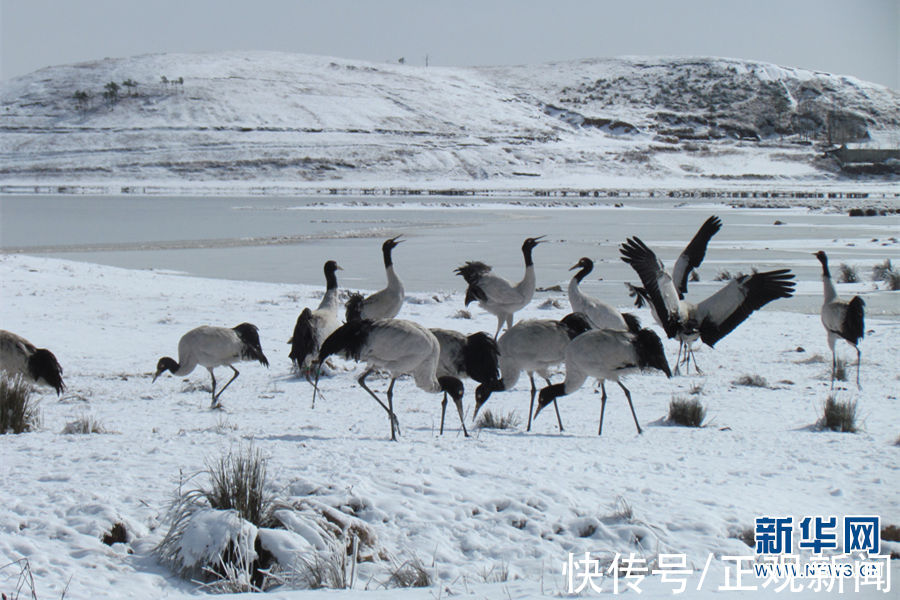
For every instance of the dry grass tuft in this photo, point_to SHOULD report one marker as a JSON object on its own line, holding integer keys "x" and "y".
{"x": 751, "y": 381}
{"x": 19, "y": 411}
{"x": 688, "y": 412}
{"x": 488, "y": 420}
{"x": 838, "y": 415}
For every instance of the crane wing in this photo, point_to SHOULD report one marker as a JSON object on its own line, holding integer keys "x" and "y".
{"x": 719, "y": 314}
{"x": 657, "y": 283}
{"x": 693, "y": 253}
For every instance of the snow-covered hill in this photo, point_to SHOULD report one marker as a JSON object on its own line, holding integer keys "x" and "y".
{"x": 278, "y": 117}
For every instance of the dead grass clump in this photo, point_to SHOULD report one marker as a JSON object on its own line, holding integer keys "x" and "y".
{"x": 840, "y": 369}
{"x": 751, "y": 381}
{"x": 847, "y": 274}
{"x": 890, "y": 533}
{"x": 488, "y": 420}
{"x": 238, "y": 482}
{"x": 117, "y": 535}
{"x": 838, "y": 415}
{"x": 332, "y": 571}
{"x": 892, "y": 280}
{"x": 881, "y": 271}
{"x": 85, "y": 424}
{"x": 746, "y": 535}
{"x": 498, "y": 573}
{"x": 410, "y": 573}
{"x": 688, "y": 412}
{"x": 18, "y": 409}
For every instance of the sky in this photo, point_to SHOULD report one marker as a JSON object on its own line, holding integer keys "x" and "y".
{"x": 858, "y": 37}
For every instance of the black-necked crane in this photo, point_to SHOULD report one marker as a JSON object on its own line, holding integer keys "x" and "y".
{"x": 713, "y": 318}
{"x": 475, "y": 356}
{"x": 607, "y": 355}
{"x": 533, "y": 346}
{"x": 313, "y": 326}
{"x": 600, "y": 314}
{"x": 497, "y": 295}
{"x": 385, "y": 303}
{"x": 689, "y": 259}
{"x": 212, "y": 347}
{"x": 20, "y": 357}
{"x": 397, "y": 346}
{"x": 841, "y": 318}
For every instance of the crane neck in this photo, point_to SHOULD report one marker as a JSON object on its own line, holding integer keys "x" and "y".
{"x": 330, "y": 280}
{"x": 526, "y": 252}
{"x": 584, "y": 272}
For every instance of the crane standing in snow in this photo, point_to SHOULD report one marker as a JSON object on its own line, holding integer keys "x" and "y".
{"x": 385, "y": 303}
{"x": 475, "y": 356}
{"x": 20, "y": 357}
{"x": 689, "y": 259}
{"x": 600, "y": 314}
{"x": 606, "y": 355}
{"x": 842, "y": 319}
{"x": 713, "y": 318}
{"x": 212, "y": 347}
{"x": 313, "y": 326}
{"x": 497, "y": 295}
{"x": 533, "y": 346}
{"x": 394, "y": 345}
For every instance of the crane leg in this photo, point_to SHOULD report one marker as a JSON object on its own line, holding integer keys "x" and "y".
{"x": 858, "y": 363}
{"x": 531, "y": 405}
{"x": 499, "y": 327}
{"x": 633, "y": 414}
{"x": 678, "y": 358}
{"x": 443, "y": 410}
{"x": 394, "y": 422}
{"x": 602, "y": 406}
{"x": 696, "y": 368}
{"x": 233, "y": 377}
{"x": 362, "y": 382}
{"x": 213, "y": 405}
{"x": 833, "y": 367}
{"x": 556, "y": 408}
{"x": 459, "y": 409}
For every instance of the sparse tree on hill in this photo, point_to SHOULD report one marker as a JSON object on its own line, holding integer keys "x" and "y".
{"x": 131, "y": 85}
{"x": 82, "y": 100}
{"x": 112, "y": 92}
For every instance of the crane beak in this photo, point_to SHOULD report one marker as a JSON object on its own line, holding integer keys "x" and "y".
{"x": 397, "y": 239}
{"x": 338, "y": 267}
{"x": 573, "y": 267}
{"x": 539, "y": 239}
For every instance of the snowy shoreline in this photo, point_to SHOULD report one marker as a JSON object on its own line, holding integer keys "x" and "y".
{"x": 501, "y": 500}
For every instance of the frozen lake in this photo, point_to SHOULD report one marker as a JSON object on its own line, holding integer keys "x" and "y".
{"x": 288, "y": 239}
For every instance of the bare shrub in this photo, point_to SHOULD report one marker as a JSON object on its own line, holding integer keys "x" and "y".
{"x": 880, "y": 272}
{"x": 838, "y": 415}
{"x": 892, "y": 280}
{"x": 410, "y": 573}
{"x": 19, "y": 411}
{"x": 686, "y": 412}
{"x": 233, "y": 504}
{"x": 488, "y": 420}
{"x": 751, "y": 381}
{"x": 85, "y": 424}
{"x": 847, "y": 274}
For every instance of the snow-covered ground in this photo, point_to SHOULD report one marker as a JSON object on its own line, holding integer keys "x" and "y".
{"x": 468, "y": 509}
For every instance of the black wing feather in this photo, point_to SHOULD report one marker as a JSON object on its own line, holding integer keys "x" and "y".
{"x": 853, "y": 327}
{"x": 303, "y": 342}
{"x": 251, "y": 350}
{"x": 643, "y": 260}
{"x": 759, "y": 289}
{"x": 694, "y": 252}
